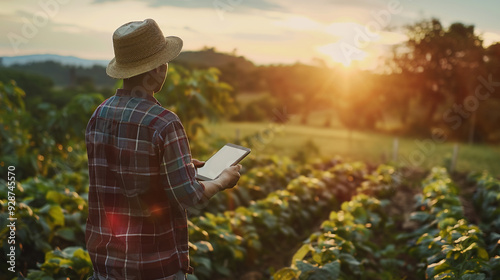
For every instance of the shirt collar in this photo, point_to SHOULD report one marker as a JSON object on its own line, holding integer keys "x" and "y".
{"x": 136, "y": 93}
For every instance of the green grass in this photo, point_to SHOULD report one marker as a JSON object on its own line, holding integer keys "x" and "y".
{"x": 371, "y": 147}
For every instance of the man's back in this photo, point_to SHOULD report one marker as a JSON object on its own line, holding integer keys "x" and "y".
{"x": 142, "y": 180}
{"x": 142, "y": 176}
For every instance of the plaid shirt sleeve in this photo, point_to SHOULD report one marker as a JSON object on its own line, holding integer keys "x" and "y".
{"x": 176, "y": 169}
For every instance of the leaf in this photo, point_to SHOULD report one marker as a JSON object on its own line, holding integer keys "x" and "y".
{"x": 473, "y": 276}
{"x": 471, "y": 247}
{"x": 55, "y": 196}
{"x": 203, "y": 101}
{"x": 301, "y": 253}
{"x": 69, "y": 252}
{"x": 37, "y": 275}
{"x": 206, "y": 262}
{"x": 420, "y": 216}
{"x": 204, "y": 246}
{"x": 42, "y": 245}
{"x": 66, "y": 233}
{"x": 270, "y": 221}
{"x": 286, "y": 273}
{"x": 482, "y": 254}
{"x": 56, "y": 213}
{"x": 436, "y": 268}
{"x": 494, "y": 237}
{"x": 222, "y": 269}
{"x": 304, "y": 266}
{"x": 238, "y": 254}
{"x": 349, "y": 259}
{"x": 333, "y": 268}
{"x": 82, "y": 255}
{"x": 443, "y": 224}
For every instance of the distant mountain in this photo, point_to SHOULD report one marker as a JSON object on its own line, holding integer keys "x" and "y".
{"x": 63, "y": 75}
{"x": 64, "y": 60}
{"x": 70, "y": 70}
{"x": 210, "y": 58}
{"x": 204, "y": 58}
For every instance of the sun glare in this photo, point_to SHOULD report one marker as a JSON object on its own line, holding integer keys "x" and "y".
{"x": 343, "y": 53}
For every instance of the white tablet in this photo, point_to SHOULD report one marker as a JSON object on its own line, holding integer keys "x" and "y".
{"x": 228, "y": 155}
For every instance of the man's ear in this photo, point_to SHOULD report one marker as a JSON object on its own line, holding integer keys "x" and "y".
{"x": 164, "y": 67}
{"x": 159, "y": 69}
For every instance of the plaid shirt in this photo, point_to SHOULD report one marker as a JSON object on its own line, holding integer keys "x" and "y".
{"x": 142, "y": 181}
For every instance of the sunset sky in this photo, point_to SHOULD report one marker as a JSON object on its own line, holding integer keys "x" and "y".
{"x": 264, "y": 31}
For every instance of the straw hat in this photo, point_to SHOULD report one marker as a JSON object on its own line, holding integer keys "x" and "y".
{"x": 140, "y": 47}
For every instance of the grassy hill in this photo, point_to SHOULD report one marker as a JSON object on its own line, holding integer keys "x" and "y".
{"x": 70, "y": 71}
{"x": 209, "y": 57}
{"x": 292, "y": 138}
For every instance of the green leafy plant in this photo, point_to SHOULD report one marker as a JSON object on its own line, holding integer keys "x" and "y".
{"x": 70, "y": 263}
{"x": 486, "y": 201}
{"x": 345, "y": 247}
{"x": 450, "y": 247}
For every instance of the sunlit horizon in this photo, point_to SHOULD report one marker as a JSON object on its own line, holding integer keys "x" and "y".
{"x": 265, "y": 32}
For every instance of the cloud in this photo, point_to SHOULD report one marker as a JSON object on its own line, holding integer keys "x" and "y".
{"x": 490, "y": 38}
{"x": 241, "y": 6}
{"x": 187, "y": 28}
{"x": 260, "y": 37}
{"x": 299, "y": 23}
{"x": 24, "y": 37}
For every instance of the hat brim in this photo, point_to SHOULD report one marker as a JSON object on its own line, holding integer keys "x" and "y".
{"x": 172, "y": 49}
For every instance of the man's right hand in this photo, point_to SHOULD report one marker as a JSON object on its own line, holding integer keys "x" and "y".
{"x": 230, "y": 176}
{"x": 227, "y": 179}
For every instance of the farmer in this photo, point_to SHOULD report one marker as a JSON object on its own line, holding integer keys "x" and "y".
{"x": 142, "y": 176}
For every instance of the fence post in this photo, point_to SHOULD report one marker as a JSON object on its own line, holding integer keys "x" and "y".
{"x": 395, "y": 149}
{"x": 454, "y": 158}
{"x": 237, "y": 140}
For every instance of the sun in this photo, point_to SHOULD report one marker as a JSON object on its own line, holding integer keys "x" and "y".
{"x": 343, "y": 53}
{"x": 348, "y": 56}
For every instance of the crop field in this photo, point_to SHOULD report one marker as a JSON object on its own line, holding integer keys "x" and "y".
{"x": 345, "y": 185}
{"x": 328, "y": 220}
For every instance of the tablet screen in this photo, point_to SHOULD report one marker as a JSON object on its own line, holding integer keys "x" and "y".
{"x": 225, "y": 157}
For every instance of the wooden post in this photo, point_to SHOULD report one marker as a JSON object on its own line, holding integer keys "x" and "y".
{"x": 472, "y": 128}
{"x": 395, "y": 149}
{"x": 237, "y": 136}
{"x": 454, "y": 158}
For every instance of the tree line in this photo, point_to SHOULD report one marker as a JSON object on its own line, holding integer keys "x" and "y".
{"x": 442, "y": 80}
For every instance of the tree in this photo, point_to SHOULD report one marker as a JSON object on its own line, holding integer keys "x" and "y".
{"x": 442, "y": 66}
{"x": 196, "y": 96}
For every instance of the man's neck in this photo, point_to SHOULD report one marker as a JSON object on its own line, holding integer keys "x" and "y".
{"x": 132, "y": 85}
